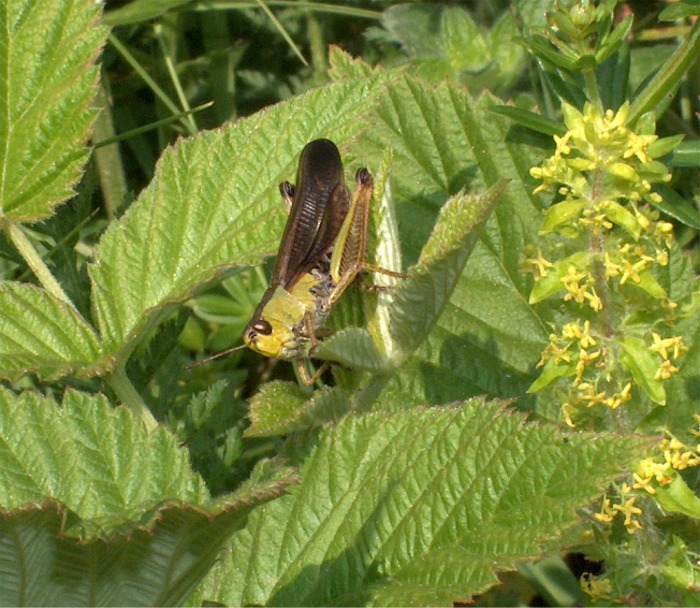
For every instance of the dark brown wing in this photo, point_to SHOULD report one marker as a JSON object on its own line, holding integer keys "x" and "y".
{"x": 321, "y": 202}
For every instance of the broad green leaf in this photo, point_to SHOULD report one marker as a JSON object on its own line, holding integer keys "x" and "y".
{"x": 280, "y": 408}
{"x": 354, "y": 348}
{"x": 643, "y": 364}
{"x": 212, "y": 206}
{"x": 416, "y": 27}
{"x": 41, "y": 334}
{"x": 678, "y": 498}
{"x": 464, "y": 44}
{"x": 344, "y": 66}
{"x": 419, "y": 508}
{"x": 98, "y": 461}
{"x": 96, "y": 511}
{"x": 443, "y": 141}
{"x": 420, "y": 300}
{"x": 447, "y": 42}
{"x": 47, "y": 82}
{"x": 157, "y": 562}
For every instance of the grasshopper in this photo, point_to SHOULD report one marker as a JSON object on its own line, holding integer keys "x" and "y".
{"x": 322, "y": 252}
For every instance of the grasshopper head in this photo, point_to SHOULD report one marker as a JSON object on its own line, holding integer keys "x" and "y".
{"x": 270, "y": 338}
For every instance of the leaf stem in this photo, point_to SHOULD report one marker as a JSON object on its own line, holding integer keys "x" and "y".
{"x": 318, "y": 48}
{"x": 34, "y": 261}
{"x": 128, "y": 395}
{"x": 601, "y": 285}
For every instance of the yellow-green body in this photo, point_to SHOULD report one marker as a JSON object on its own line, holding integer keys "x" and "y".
{"x": 287, "y": 314}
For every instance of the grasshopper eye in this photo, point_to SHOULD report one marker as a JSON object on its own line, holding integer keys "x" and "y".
{"x": 262, "y": 327}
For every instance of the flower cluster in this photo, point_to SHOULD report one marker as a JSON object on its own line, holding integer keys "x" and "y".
{"x": 658, "y": 471}
{"x": 602, "y": 248}
{"x": 620, "y": 161}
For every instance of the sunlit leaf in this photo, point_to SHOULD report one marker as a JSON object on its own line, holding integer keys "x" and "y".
{"x": 48, "y": 78}
{"x": 417, "y": 508}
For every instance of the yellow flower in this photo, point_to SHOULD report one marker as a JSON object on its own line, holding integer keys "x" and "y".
{"x": 607, "y": 513}
{"x": 616, "y": 400}
{"x": 611, "y": 268}
{"x": 593, "y": 300}
{"x": 539, "y": 264}
{"x": 588, "y": 394}
{"x": 629, "y": 511}
{"x": 630, "y": 272}
{"x": 586, "y": 340}
{"x": 665, "y": 371}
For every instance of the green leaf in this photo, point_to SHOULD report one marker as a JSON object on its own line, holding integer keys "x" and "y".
{"x": 531, "y": 120}
{"x": 159, "y": 563}
{"x": 554, "y": 581}
{"x": 464, "y": 44}
{"x": 41, "y": 334}
{"x": 212, "y": 206}
{"x": 613, "y": 41}
{"x": 419, "y": 301}
{"x": 643, "y": 364}
{"x": 649, "y": 284}
{"x": 553, "y": 370}
{"x": 354, "y": 348}
{"x": 96, "y": 511}
{"x": 280, "y": 408}
{"x": 56, "y": 452}
{"x": 443, "y": 140}
{"x": 47, "y": 82}
{"x": 561, "y": 213}
{"x": 679, "y": 10}
{"x": 413, "y": 508}
{"x": 685, "y": 154}
{"x": 678, "y": 498}
{"x": 667, "y": 78}
{"x": 343, "y": 66}
{"x": 677, "y": 207}
{"x": 550, "y": 284}
{"x": 619, "y": 215}
{"x": 416, "y": 27}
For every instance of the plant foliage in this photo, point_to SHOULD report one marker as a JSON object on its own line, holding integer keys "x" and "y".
{"x": 434, "y": 459}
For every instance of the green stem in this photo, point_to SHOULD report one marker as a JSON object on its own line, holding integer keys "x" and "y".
{"x": 168, "y": 55}
{"x": 318, "y": 48}
{"x": 138, "y": 68}
{"x": 34, "y": 261}
{"x": 282, "y": 31}
{"x": 601, "y": 284}
{"x": 128, "y": 395}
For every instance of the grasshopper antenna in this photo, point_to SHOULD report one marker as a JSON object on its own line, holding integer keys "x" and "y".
{"x": 223, "y": 353}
